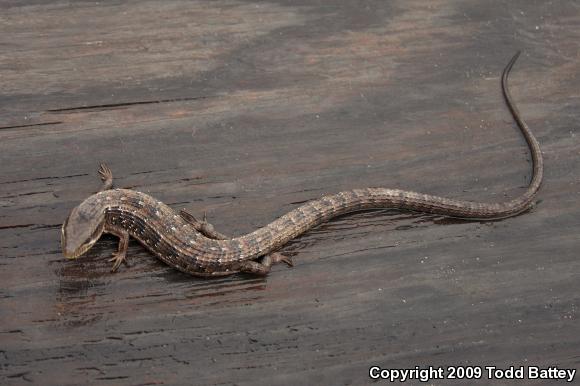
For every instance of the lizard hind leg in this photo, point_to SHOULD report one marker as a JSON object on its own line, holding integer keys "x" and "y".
{"x": 106, "y": 176}
{"x": 262, "y": 268}
{"x": 203, "y": 226}
{"x": 254, "y": 267}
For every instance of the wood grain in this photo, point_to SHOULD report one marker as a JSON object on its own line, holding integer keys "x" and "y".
{"x": 247, "y": 109}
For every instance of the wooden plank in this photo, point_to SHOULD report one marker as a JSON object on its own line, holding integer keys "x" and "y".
{"x": 247, "y": 109}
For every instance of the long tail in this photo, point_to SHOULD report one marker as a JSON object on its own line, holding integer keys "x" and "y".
{"x": 524, "y": 201}
{"x": 303, "y": 218}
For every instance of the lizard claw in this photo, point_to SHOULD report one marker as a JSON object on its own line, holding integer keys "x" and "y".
{"x": 118, "y": 258}
{"x": 106, "y": 176}
{"x": 105, "y": 172}
{"x": 278, "y": 257}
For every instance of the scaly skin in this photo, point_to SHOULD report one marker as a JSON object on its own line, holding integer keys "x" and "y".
{"x": 194, "y": 247}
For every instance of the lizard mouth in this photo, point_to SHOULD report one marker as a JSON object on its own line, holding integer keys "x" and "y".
{"x": 71, "y": 253}
{"x": 71, "y": 247}
{"x": 75, "y": 253}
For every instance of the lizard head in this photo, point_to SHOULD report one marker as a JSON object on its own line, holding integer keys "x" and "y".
{"x": 83, "y": 227}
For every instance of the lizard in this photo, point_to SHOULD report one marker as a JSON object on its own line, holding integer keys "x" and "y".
{"x": 195, "y": 247}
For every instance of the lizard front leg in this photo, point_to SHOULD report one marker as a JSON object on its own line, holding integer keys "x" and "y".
{"x": 121, "y": 254}
{"x": 106, "y": 176}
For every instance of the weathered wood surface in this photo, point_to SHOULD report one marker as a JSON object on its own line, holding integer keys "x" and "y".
{"x": 246, "y": 109}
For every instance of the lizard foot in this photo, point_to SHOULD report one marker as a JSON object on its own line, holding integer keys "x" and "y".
{"x": 263, "y": 267}
{"x": 202, "y": 226}
{"x": 118, "y": 258}
{"x": 278, "y": 257}
{"x": 106, "y": 176}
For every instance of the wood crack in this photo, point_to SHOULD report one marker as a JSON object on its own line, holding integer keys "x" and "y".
{"x": 107, "y": 106}
{"x": 31, "y": 125}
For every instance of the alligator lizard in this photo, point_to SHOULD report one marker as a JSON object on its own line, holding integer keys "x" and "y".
{"x": 194, "y": 247}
